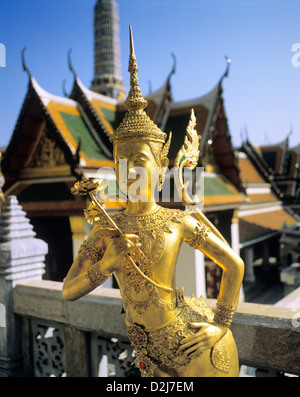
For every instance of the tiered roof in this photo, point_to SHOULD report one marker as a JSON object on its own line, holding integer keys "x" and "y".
{"x": 279, "y": 165}
{"x": 54, "y": 143}
{"x": 264, "y": 214}
{"x": 60, "y": 139}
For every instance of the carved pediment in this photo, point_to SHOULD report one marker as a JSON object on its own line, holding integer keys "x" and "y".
{"x": 48, "y": 159}
{"x": 47, "y": 154}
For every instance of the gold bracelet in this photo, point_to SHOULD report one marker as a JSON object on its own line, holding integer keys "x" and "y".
{"x": 95, "y": 275}
{"x": 199, "y": 235}
{"x": 224, "y": 314}
{"x": 94, "y": 254}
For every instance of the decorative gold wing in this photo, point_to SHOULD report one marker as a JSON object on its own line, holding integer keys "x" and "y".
{"x": 187, "y": 156}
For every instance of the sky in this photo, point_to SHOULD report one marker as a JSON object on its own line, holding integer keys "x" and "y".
{"x": 261, "y": 37}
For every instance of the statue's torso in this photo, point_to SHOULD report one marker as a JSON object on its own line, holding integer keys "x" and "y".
{"x": 160, "y": 236}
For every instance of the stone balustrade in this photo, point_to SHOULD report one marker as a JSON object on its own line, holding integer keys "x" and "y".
{"x": 42, "y": 334}
{"x": 81, "y": 334}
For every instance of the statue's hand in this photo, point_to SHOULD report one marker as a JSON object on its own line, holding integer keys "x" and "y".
{"x": 207, "y": 336}
{"x": 116, "y": 250}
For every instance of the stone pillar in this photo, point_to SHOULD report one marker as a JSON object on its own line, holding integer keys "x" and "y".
{"x": 249, "y": 272}
{"x": 290, "y": 277}
{"x": 21, "y": 258}
{"x": 266, "y": 256}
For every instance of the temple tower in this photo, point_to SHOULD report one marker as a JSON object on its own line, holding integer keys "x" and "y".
{"x": 107, "y": 64}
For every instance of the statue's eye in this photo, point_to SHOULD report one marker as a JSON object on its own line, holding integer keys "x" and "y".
{"x": 140, "y": 160}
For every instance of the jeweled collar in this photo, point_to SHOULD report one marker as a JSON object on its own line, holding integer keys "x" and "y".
{"x": 159, "y": 218}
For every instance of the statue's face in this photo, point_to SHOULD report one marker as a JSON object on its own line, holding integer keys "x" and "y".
{"x": 136, "y": 168}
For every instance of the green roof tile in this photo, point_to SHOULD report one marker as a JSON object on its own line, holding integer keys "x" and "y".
{"x": 80, "y": 131}
{"x": 215, "y": 187}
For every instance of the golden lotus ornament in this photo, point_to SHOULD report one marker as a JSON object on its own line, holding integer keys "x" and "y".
{"x": 172, "y": 335}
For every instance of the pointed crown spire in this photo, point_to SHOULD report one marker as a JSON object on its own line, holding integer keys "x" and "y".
{"x": 135, "y": 100}
{"x": 136, "y": 124}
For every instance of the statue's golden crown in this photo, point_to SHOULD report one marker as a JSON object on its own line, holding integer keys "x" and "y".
{"x": 136, "y": 124}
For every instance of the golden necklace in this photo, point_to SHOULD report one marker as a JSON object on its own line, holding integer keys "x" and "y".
{"x": 151, "y": 229}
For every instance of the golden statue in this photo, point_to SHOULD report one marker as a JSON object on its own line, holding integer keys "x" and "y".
{"x": 172, "y": 335}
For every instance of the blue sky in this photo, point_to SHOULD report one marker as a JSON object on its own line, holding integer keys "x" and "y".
{"x": 262, "y": 92}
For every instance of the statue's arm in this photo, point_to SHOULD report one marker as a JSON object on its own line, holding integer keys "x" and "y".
{"x": 200, "y": 237}
{"x": 96, "y": 261}
{"x": 77, "y": 282}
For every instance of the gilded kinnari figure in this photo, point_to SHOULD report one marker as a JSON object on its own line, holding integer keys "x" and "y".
{"x": 172, "y": 335}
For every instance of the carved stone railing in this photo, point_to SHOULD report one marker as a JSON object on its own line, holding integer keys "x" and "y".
{"x": 88, "y": 337}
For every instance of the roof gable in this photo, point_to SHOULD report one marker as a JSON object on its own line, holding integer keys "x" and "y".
{"x": 76, "y": 131}
{"x": 51, "y": 130}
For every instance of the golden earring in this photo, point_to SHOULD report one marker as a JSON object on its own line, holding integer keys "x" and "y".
{"x": 161, "y": 180}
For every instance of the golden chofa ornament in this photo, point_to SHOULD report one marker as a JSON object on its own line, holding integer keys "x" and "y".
{"x": 136, "y": 124}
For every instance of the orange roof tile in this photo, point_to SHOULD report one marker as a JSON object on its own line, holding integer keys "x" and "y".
{"x": 261, "y": 198}
{"x": 273, "y": 220}
{"x": 248, "y": 173}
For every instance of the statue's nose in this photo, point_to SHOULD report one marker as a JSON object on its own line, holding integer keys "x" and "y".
{"x": 132, "y": 172}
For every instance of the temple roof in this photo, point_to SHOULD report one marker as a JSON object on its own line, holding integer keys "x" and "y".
{"x": 68, "y": 123}
{"x": 261, "y": 166}
{"x": 216, "y": 149}
{"x": 219, "y": 192}
{"x": 78, "y": 127}
{"x": 278, "y": 164}
{"x": 74, "y": 126}
{"x": 105, "y": 109}
{"x": 294, "y": 161}
{"x": 177, "y": 116}
{"x": 159, "y": 100}
{"x": 264, "y": 215}
{"x": 53, "y": 141}
{"x": 258, "y": 190}
{"x": 265, "y": 222}
{"x": 274, "y": 155}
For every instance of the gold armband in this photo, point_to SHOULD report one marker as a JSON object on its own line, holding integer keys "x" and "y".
{"x": 198, "y": 236}
{"x": 94, "y": 254}
{"x": 224, "y": 314}
{"x": 95, "y": 275}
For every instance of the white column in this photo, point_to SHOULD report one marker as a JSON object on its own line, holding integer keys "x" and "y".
{"x": 235, "y": 243}
{"x": 235, "y": 234}
{"x": 200, "y": 288}
{"x": 190, "y": 271}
